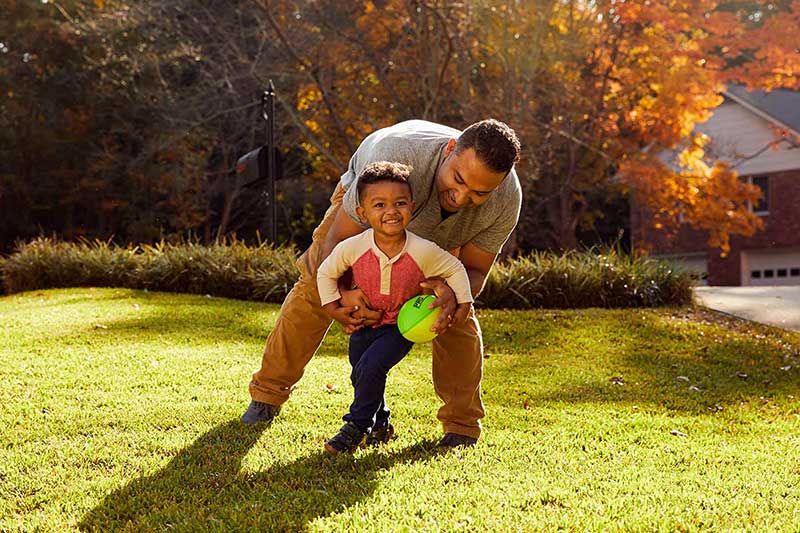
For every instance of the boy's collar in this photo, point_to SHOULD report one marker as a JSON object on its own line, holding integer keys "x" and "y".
{"x": 382, "y": 256}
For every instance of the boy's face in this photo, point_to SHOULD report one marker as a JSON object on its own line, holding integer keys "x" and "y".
{"x": 387, "y": 207}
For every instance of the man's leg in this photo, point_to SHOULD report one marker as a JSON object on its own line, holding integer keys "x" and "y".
{"x": 457, "y": 372}
{"x": 299, "y": 330}
{"x": 300, "y": 327}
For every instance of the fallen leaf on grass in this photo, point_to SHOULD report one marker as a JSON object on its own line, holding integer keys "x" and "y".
{"x": 617, "y": 380}
{"x": 678, "y": 433}
{"x": 683, "y": 378}
{"x": 695, "y": 388}
{"x": 526, "y": 405}
{"x": 330, "y": 387}
{"x": 100, "y": 326}
{"x": 786, "y": 368}
{"x": 741, "y": 375}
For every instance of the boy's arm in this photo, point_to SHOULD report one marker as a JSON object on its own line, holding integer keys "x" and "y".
{"x": 435, "y": 262}
{"x": 343, "y": 227}
{"x": 328, "y": 274}
{"x": 477, "y": 263}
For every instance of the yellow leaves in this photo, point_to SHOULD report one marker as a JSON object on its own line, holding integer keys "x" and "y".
{"x": 100, "y": 4}
{"x": 680, "y": 61}
{"x": 307, "y": 97}
{"x": 691, "y": 158}
{"x": 313, "y": 126}
{"x": 560, "y": 26}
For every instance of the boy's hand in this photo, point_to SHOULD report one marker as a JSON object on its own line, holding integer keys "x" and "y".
{"x": 343, "y": 315}
{"x": 452, "y": 313}
{"x": 355, "y": 298}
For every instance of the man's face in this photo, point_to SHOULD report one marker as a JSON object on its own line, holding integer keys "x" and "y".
{"x": 464, "y": 180}
{"x": 387, "y": 207}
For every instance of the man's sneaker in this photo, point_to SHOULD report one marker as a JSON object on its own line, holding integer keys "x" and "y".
{"x": 454, "y": 440}
{"x": 380, "y": 435}
{"x": 347, "y": 440}
{"x": 260, "y": 412}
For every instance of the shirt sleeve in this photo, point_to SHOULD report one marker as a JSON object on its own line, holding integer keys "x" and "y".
{"x": 332, "y": 269}
{"x": 433, "y": 261}
{"x": 496, "y": 234}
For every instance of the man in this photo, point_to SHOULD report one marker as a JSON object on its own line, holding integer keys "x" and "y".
{"x": 468, "y": 199}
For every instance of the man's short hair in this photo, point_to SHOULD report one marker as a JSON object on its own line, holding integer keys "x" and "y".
{"x": 494, "y": 142}
{"x": 383, "y": 171}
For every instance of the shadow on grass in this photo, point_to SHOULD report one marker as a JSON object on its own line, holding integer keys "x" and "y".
{"x": 203, "y": 487}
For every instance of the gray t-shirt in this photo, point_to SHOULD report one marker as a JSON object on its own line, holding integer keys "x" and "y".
{"x": 421, "y": 145}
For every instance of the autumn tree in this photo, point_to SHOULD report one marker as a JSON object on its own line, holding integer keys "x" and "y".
{"x": 601, "y": 92}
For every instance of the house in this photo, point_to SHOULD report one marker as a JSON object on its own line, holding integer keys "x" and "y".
{"x": 741, "y": 129}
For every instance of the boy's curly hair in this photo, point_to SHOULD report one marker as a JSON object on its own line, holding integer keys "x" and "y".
{"x": 383, "y": 171}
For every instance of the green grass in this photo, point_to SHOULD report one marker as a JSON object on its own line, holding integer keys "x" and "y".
{"x": 119, "y": 410}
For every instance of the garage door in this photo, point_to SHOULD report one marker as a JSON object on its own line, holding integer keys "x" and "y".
{"x": 771, "y": 267}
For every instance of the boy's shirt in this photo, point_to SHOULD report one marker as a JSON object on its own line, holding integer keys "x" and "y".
{"x": 389, "y": 282}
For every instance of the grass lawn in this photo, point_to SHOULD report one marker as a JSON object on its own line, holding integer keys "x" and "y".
{"x": 119, "y": 410}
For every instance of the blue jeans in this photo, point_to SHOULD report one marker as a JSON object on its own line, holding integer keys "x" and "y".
{"x": 373, "y": 352}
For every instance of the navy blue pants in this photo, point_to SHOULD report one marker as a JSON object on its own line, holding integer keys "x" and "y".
{"x": 373, "y": 352}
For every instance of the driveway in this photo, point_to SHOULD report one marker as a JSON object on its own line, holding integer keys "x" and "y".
{"x": 777, "y": 306}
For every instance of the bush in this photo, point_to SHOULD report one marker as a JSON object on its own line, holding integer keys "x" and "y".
{"x": 594, "y": 278}
{"x": 44, "y": 263}
{"x": 230, "y": 270}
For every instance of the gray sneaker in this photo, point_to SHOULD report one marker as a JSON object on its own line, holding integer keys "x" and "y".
{"x": 347, "y": 440}
{"x": 260, "y": 412}
{"x": 454, "y": 440}
{"x": 380, "y": 435}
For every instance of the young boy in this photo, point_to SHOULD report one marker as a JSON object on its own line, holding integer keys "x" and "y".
{"x": 388, "y": 264}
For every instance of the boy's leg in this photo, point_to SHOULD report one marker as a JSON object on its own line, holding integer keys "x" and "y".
{"x": 382, "y": 415}
{"x": 457, "y": 372}
{"x": 387, "y": 349}
{"x": 301, "y": 324}
{"x": 357, "y": 345}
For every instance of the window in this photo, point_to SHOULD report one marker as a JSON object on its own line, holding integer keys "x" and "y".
{"x": 755, "y": 274}
{"x": 762, "y": 206}
{"x": 794, "y": 272}
{"x": 769, "y": 273}
{"x": 781, "y": 272}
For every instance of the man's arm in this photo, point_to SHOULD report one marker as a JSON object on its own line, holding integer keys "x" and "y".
{"x": 478, "y": 264}
{"x": 343, "y": 227}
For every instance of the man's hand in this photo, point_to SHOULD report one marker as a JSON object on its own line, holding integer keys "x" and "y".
{"x": 344, "y": 316}
{"x": 356, "y": 299}
{"x": 446, "y": 299}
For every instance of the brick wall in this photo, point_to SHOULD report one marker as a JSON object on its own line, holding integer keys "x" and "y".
{"x": 781, "y": 230}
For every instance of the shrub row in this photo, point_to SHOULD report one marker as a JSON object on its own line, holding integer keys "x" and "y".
{"x": 229, "y": 270}
{"x": 594, "y": 278}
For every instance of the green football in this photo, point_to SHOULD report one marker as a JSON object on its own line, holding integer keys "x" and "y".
{"x": 415, "y": 319}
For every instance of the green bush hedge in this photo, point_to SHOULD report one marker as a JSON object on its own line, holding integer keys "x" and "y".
{"x": 594, "y": 278}
{"x": 228, "y": 270}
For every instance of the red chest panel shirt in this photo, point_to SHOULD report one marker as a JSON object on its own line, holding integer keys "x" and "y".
{"x": 389, "y": 282}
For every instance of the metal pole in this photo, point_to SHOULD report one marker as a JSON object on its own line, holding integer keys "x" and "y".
{"x": 268, "y": 111}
